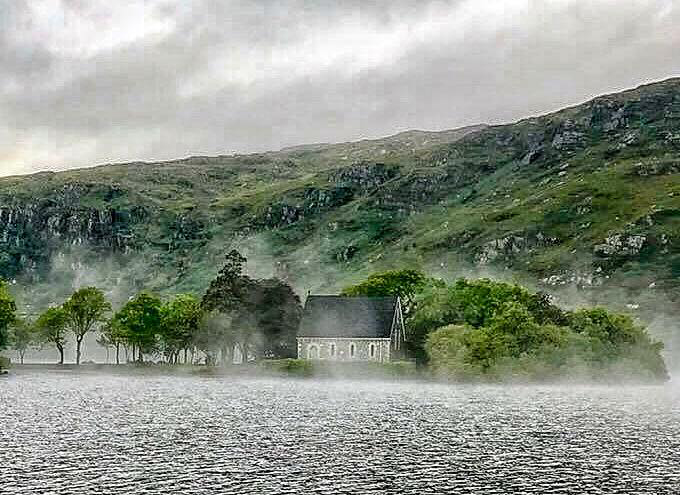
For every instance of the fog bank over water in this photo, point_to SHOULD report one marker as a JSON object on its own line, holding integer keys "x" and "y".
{"x": 122, "y": 434}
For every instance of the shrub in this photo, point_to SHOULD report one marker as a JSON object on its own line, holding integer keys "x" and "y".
{"x": 4, "y": 363}
{"x": 493, "y": 330}
{"x": 297, "y": 367}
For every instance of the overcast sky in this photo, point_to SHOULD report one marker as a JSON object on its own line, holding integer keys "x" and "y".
{"x": 88, "y": 82}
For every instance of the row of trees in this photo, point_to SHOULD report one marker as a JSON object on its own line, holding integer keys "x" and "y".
{"x": 257, "y": 317}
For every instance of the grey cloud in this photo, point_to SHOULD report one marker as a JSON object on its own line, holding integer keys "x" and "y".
{"x": 255, "y": 75}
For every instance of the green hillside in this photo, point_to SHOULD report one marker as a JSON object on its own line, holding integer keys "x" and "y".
{"x": 584, "y": 202}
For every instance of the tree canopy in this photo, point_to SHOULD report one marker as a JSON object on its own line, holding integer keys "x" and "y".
{"x": 139, "y": 321}
{"x": 51, "y": 329}
{"x": 22, "y": 336}
{"x": 262, "y": 315}
{"x": 7, "y": 313}
{"x": 180, "y": 318}
{"x": 85, "y": 309}
{"x": 403, "y": 283}
{"x": 486, "y": 328}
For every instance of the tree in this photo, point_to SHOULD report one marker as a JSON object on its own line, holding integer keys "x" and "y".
{"x": 7, "y": 313}
{"x": 85, "y": 310}
{"x": 500, "y": 330}
{"x": 51, "y": 328}
{"x": 22, "y": 337}
{"x": 215, "y": 335}
{"x": 139, "y": 321}
{"x": 475, "y": 303}
{"x": 263, "y": 315}
{"x": 228, "y": 291}
{"x": 180, "y": 320}
{"x": 112, "y": 335}
{"x": 277, "y": 311}
{"x": 403, "y": 283}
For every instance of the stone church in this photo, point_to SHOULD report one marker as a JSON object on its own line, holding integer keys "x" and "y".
{"x": 339, "y": 328}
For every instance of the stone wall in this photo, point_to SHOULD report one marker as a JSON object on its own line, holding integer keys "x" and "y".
{"x": 321, "y": 348}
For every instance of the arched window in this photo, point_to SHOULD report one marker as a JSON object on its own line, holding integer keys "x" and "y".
{"x": 332, "y": 350}
{"x": 372, "y": 350}
{"x": 312, "y": 352}
{"x": 352, "y": 350}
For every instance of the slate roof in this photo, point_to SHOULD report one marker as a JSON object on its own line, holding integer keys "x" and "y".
{"x": 345, "y": 317}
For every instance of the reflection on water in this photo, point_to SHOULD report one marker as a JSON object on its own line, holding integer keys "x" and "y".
{"x": 65, "y": 433}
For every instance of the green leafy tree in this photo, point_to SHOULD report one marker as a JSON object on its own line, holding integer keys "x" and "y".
{"x": 112, "y": 336}
{"x": 22, "y": 337}
{"x": 180, "y": 320}
{"x": 403, "y": 283}
{"x": 230, "y": 288}
{"x": 139, "y": 320}
{"x": 263, "y": 315}
{"x": 51, "y": 328}
{"x": 7, "y": 313}
{"x": 493, "y": 329}
{"x": 475, "y": 303}
{"x": 278, "y": 311}
{"x": 86, "y": 309}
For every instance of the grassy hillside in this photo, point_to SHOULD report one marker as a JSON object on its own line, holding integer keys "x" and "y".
{"x": 586, "y": 199}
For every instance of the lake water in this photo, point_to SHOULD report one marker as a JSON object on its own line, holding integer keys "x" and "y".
{"x": 68, "y": 433}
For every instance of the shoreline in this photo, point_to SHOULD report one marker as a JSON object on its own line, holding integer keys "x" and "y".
{"x": 307, "y": 370}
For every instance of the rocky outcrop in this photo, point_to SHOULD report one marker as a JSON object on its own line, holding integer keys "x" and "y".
{"x": 656, "y": 167}
{"x": 362, "y": 177}
{"x": 30, "y": 233}
{"x": 313, "y": 201}
{"x": 621, "y": 245}
{"x": 568, "y": 137}
{"x": 509, "y": 247}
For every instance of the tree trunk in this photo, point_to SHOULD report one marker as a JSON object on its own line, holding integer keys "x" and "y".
{"x": 107, "y": 354}
{"x": 117, "y": 353}
{"x": 79, "y": 341}
{"x": 185, "y": 355}
{"x": 21, "y": 356}
{"x": 244, "y": 349}
{"x": 60, "y": 348}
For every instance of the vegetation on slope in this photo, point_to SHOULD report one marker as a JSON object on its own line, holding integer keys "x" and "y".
{"x": 586, "y": 197}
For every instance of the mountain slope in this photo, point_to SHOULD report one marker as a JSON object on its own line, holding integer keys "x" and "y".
{"x": 587, "y": 198}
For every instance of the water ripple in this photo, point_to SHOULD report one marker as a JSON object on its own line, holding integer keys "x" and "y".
{"x": 76, "y": 434}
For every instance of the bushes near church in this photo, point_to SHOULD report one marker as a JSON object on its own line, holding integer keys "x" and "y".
{"x": 484, "y": 329}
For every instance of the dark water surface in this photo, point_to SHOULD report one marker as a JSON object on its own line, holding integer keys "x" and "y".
{"x": 67, "y": 433}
